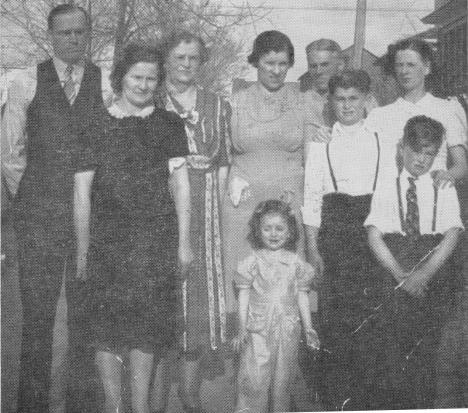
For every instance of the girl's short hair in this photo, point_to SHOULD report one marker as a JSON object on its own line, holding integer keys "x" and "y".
{"x": 271, "y": 41}
{"x": 132, "y": 54}
{"x": 423, "y": 48}
{"x": 175, "y": 38}
{"x": 358, "y": 79}
{"x": 273, "y": 207}
{"x": 421, "y": 131}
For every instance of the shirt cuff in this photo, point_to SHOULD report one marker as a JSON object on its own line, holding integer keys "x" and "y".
{"x": 175, "y": 163}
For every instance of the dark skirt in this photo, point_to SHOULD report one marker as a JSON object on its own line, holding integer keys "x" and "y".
{"x": 132, "y": 288}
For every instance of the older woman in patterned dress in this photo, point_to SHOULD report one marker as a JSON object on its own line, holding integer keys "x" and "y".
{"x": 206, "y": 118}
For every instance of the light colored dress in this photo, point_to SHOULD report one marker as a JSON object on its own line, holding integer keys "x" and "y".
{"x": 270, "y": 356}
{"x": 269, "y": 131}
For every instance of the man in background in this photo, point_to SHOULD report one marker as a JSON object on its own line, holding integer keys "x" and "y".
{"x": 325, "y": 59}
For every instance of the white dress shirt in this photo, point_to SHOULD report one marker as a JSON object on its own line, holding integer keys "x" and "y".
{"x": 20, "y": 93}
{"x": 389, "y": 121}
{"x": 385, "y": 214}
{"x": 353, "y": 157}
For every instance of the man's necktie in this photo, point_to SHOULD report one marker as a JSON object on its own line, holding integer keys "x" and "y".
{"x": 69, "y": 84}
{"x": 412, "y": 212}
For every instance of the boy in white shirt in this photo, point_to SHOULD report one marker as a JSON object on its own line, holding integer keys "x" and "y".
{"x": 340, "y": 178}
{"x": 413, "y": 230}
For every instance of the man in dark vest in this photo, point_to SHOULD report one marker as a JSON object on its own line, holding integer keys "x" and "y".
{"x": 47, "y": 106}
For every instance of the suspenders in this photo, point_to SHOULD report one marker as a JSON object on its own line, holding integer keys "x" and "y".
{"x": 401, "y": 211}
{"x": 376, "y": 167}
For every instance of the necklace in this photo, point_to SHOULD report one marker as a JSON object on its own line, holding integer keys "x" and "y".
{"x": 265, "y": 107}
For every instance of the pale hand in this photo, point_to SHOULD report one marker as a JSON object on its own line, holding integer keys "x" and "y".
{"x": 416, "y": 284}
{"x": 81, "y": 263}
{"x": 313, "y": 341}
{"x": 442, "y": 178}
{"x": 324, "y": 134}
{"x": 186, "y": 258}
{"x": 240, "y": 340}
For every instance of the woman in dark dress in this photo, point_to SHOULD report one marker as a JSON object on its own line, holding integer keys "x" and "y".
{"x": 134, "y": 230}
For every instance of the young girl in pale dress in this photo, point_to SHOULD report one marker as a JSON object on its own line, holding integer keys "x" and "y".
{"x": 273, "y": 283}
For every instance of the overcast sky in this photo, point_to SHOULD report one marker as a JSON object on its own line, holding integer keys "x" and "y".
{"x": 307, "y": 20}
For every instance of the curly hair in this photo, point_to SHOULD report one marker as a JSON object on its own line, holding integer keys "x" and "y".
{"x": 273, "y": 207}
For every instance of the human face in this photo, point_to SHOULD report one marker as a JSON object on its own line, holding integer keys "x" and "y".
{"x": 418, "y": 163}
{"x": 69, "y": 36}
{"x": 323, "y": 64}
{"x": 349, "y": 105}
{"x": 274, "y": 231}
{"x": 272, "y": 68}
{"x": 411, "y": 70}
{"x": 138, "y": 86}
{"x": 182, "y": 64}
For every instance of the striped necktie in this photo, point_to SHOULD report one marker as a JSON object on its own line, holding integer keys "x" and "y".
{"x": 69, "y": 84}
{"x": 412, "y": 211}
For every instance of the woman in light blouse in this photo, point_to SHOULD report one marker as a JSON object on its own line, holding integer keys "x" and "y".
{"x": 411, "y": 62}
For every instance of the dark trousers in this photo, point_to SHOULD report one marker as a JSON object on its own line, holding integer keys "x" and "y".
{"x": 414, "y": 327}
{"x": 40, "y": 276}
{"x": 452, "y": 359}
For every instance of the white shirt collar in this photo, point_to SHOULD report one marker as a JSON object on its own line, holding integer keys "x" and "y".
{"x": 117, "y": 112}
{"x": 426, "y": 99}
{"x": 340, "y": 131}
{"x": 61, "y": 66}
{"x": 422, "y": 178}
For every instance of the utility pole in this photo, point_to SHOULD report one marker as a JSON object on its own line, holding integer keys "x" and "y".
{"x": 359, "y": 33}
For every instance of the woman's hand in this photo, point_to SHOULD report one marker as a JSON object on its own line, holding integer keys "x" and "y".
{"x": 240, "y": 340}
{"x": 81, "y": 264}
{"x": 442, "y": 178}
{"x": 323, "y": 134}
{"x": 313, "y": 341}
{"x": 186, "y": 257}
{"x": 239, "y": 190}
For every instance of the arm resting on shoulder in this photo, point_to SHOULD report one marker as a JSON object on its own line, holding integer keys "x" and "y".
{"x": 458, "y": 170}
{"x": 180, "y": 188}
{"x": 81, "y": 215}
